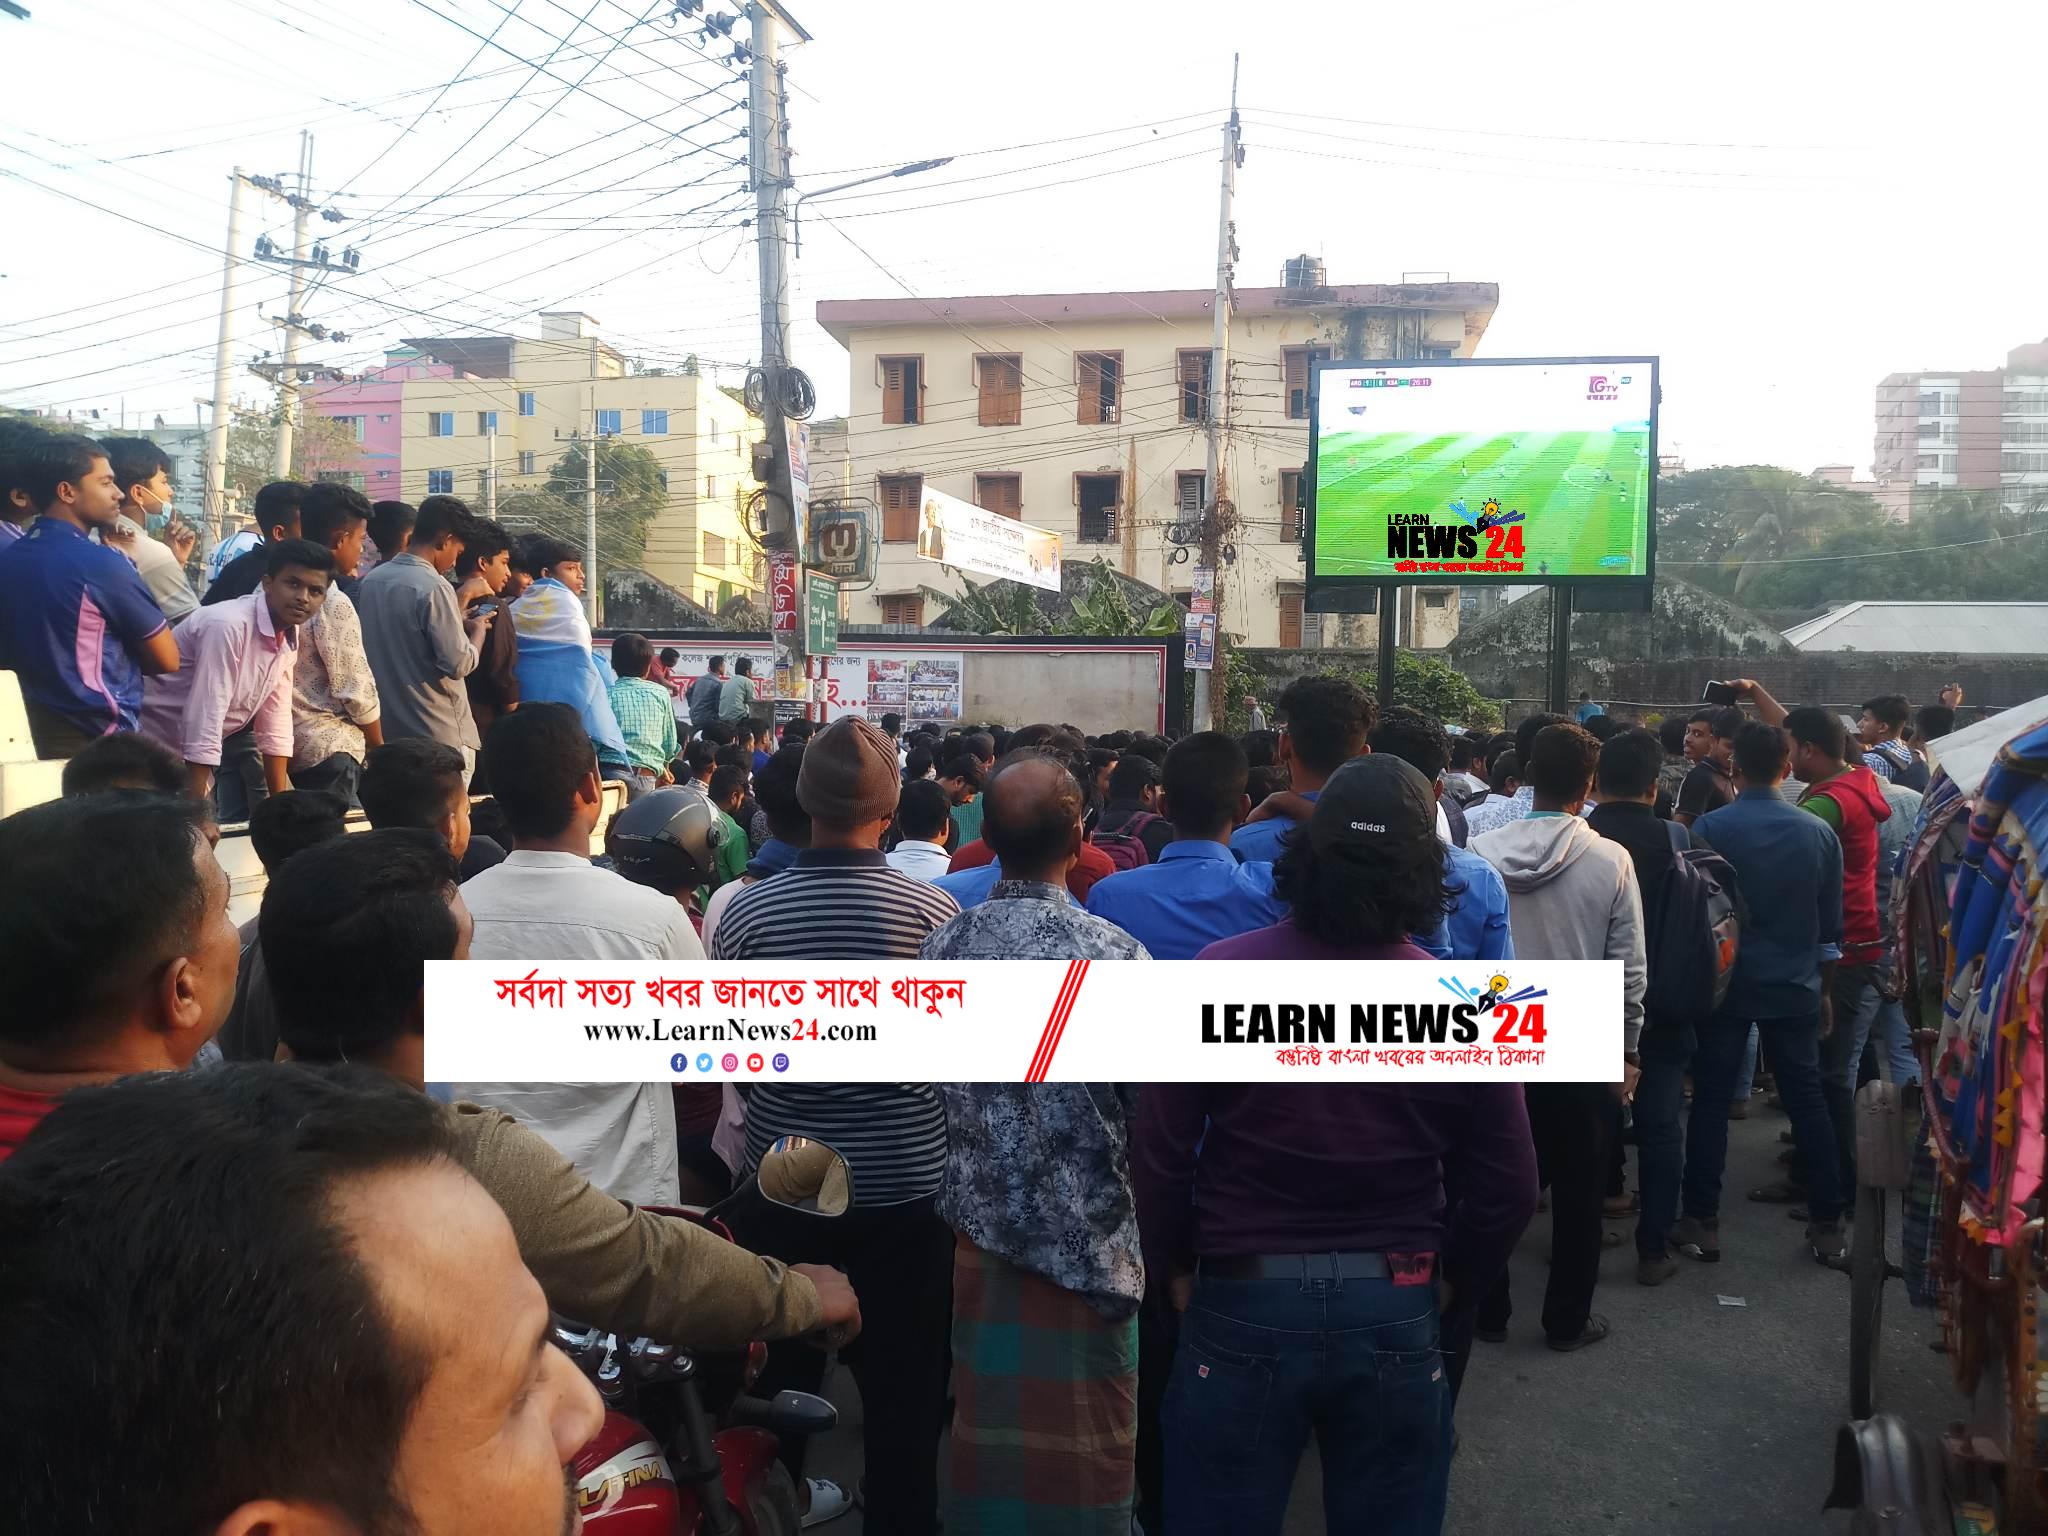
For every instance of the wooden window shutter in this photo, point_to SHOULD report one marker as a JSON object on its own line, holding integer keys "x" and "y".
{"x": 1001, "y": 494}
{"x": 1290, "y": 510}
{"x": 1290, "y": 619}
{"x": 1090, "y": 413}
{"x": 903, "y": 610}
{"x": 901, "y": 386}
{"x": 900, "y": 496}
{"x": 1194, "y": 386}
{"x": 1002, "y": 391}
{"x": 1190, "y": 492}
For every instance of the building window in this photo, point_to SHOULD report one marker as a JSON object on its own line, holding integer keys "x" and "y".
{"x": 608, "y": 424}
{"x": 1101, "y": 379}
{"x": 1190, "y": 492}
{"x": 383, "y": 421}
{"x": 440, "y": 423}
{"x": 902, "y": 391}
{"x": 715, "y": 550}
{"x": 440, "y": 482}
{"x": 661, "y": 476}
{"x": 526, "y": 402}
{"x": 526, "y": 461}
{"x": 355, "y": 425}
{"x": 1295, "y": 363}
{"x": 654, "y": 423}
{"x": 1290, "y": 619}
{"x": 899, "y": 496}
{"x": 352, "y": 478}
{"x": 1001, "y": 494}
{"x": 486, "y": 423}
{"x": 2023, "y": 463}
{"x": 906, "y": 609}
{"x": 1436, "y": 599}
{"x": 1096, "y": 497}
{"x": 1290, "y": 506}
{"x": 710, "y": 487}
{"x": 1001, "y": 380}
{"x": 1193, "y": 373}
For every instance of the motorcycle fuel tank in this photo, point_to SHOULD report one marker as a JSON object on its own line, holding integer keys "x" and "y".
{"x": 623, "y": 1483}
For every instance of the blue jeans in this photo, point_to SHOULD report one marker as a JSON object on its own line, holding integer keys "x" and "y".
{"x": 338, "y": 775}
{"x": 1262, "y": 1364}
{"x": 1660, "y": 1146}
{"x": 1795, "y": 1059}
{"x": 1745, "y": 1080}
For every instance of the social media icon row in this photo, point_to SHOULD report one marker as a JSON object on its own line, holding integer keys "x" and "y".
{"x": 680, "y": 1062}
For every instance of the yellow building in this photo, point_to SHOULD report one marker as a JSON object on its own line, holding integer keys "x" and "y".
{"x": 1085, "y": 413}
{"x": 517, "y": 405}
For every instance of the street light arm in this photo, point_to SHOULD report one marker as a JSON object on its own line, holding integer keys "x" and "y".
{"x": 796, "y": 207}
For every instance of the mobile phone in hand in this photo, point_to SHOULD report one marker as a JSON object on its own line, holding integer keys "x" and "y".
{"x": 1719, "y": 693}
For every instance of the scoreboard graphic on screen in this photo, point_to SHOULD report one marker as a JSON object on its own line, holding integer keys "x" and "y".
{"x": 1505, "y": 471}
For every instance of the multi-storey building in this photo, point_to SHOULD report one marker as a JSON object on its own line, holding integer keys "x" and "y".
{"x": 450, "y": 414}
{"x": 1086, "y": 413}
{"x": 1965, "y": 430}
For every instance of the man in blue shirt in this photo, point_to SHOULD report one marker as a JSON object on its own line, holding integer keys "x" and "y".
{"x": 1327, "y": 722}
{"x": 1196, "y": 892}
{"x": 1477, "y": 927}
{"x": 78, "y": 626}
{"x": 1788, "y": 864}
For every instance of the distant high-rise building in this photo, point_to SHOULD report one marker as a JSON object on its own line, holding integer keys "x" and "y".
{"x": 1964, "y": 430}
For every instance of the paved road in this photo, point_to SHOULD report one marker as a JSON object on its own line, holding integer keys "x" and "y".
{"x": 1693, "y": 1419}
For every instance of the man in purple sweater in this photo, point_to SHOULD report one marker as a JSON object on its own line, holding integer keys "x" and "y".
{"x": 1309, "y": 1249}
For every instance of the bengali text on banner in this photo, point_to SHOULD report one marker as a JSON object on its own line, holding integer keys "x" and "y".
{"x": 1023, "y": 1021}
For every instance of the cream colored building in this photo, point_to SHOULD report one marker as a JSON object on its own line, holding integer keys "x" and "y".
{"x": 537, "y": 395}
{"x": 1084, "y": 413}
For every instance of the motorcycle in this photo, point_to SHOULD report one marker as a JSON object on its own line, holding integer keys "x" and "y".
{"x": 666, "y": 1462}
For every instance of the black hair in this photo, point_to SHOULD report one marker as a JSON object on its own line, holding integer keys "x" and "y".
{"x": 1462, "y": 749}
{"x": 1153, "y": 747}
{"x": 125, "y": 760}
{"x": 279, "y": 505}
{"x": 1890, "y": 709}
{"x": 632, "y": 655}
{"x": 1727, "y": 721}
{"x": 347, "y": 930}
{"x": 917, "y": 762}
{"x": 390, "y": 525}
{"x": 17, "y": 435}
{"x": 1811, "y": 725}
{"x": 1505, "y": 766}
{"x": 1261, "y": 748}
{"x": 923, "y": 810}
{"x": 726, "y": 780}
{"x": 744, "y": 667}
{"x": 61, "y": 458}
{"x": 1602, "y": 727}
{"x": 719, "y": 733}
{"x": 1562, "y": 761}
{"x": 892, "y": 724}
{"x": 1933, "y": 720}
{"x": 101, "y": 890}
{"x": 1204, "y": 778}
{"x": 733, "y": 755}
{"x": 1705, "y": 715}
{"x": 982, "y": 744}
{"x": 670, "y": 655}
{"x": 175, "y": 1240}
{"x": 282, "y": 826}
{"x": 1671, "y": 735}
{"x": 1261, "y": 782}
{"x": 713, "y": 663}
{"x": 965, "y": 767}
{"x": 536, "y": 757}
{"x": 1328, "y": 720}
{"x": 544, "y": 552}
{"x": 1629, "y": 764}
{"x": 1525, "y": 736}
{"x": 1132, "y": 776}
{"x": 1028, "y": 833}
{"x": 775, "y": 789}
{"x": 441, "y": 517}
{"x": 698, "y": 756}
{"x": 410, "y": 782}
{"x": 1415, "y": 738}
{"x": 304, "y": 553}
{"x": 486, "y": 541}
{"x": 329, "y": 509}
{"x": 1354, "y": 894}
{"x": 133, "y": 460}
{"x": 1763, "y": 752}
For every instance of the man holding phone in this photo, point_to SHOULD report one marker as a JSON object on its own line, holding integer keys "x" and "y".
{"x": 1710, "y": 744}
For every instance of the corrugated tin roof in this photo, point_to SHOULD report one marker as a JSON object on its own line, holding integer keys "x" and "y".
{"x": 1981, "y": 629}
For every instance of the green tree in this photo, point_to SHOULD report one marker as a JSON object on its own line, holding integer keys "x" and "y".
{"x": 320, "y": 445}
{"x": 1724, "y": 528}
{"x": 1102, "y": 607}
{"x": 630, "y": 496}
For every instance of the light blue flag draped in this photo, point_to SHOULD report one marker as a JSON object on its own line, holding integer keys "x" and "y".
{"x": 555, "y": 661}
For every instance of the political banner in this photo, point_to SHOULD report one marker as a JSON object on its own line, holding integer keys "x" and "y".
{"x": 960, "y": 534}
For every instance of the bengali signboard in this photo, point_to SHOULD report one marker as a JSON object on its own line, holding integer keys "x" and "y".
{"x": 798, "y": 442}
{"x": 970, "y": 538}
{"x": 1200, "y": 632}
{"x": 821, "y": 615}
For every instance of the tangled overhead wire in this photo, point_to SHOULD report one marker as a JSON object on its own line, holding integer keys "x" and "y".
{"x": 796, "y": 396}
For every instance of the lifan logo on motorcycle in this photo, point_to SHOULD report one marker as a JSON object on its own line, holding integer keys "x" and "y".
{"x": 603, "y": 1486}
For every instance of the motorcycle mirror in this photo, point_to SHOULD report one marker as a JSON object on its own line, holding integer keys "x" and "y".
{"x": 806, "y": 1175}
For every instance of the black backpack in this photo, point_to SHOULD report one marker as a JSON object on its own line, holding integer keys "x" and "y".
{"x": 1693, "y": 946}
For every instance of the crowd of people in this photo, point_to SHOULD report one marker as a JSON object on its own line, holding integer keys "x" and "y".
{"x": 304, "y": 1284}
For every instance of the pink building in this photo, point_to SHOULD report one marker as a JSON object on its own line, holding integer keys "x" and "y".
{"x": 374, "y": 406}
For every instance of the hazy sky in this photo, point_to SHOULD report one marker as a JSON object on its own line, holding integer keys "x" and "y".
{"x": 1785, "y": 201}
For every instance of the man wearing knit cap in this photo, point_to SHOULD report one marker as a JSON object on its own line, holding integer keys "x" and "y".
{"x": 841, "y": 900}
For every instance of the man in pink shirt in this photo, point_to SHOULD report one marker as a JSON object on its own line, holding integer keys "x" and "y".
{"x": 235, "y": 668}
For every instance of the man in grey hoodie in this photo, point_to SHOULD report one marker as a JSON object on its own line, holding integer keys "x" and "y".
{"x": 1572, "y": 895}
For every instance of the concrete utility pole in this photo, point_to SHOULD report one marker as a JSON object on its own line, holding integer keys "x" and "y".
{"x": 491, "y": 475}
{"x": 288, "y": 380}
{"x": 1219, "y": 387}
{"x": 590, "y": 576}
{"x": 223, "y": 386}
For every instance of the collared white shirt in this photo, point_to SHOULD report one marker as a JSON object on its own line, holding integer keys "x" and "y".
{"x": 557, "y": 906}
{"x": 919, "y": 859}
